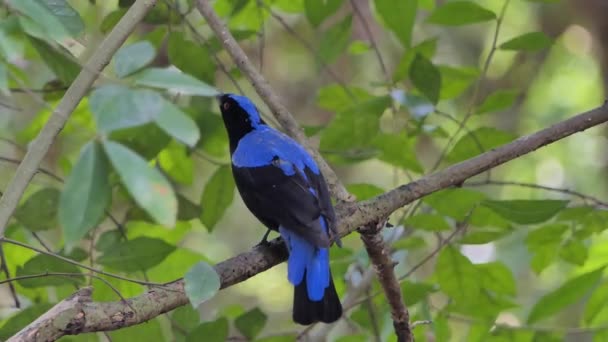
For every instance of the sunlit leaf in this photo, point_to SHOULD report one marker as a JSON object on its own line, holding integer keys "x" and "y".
{"x": 574, "y": 251}
{"x": 138, "y": 254}
{"x": 201, "y": 283}
{"x": 457, "y": 276}
{"x": 318, "y": 10}
{"x": 456, "y": 80}
{"x": 432, "y": 222}
{"x": 174, "y": 80}
{"x": 426, "y": 77}
{"x": 425, "y": 48}
{"x": 399, "y": 17}
{"x": 456, "y": 203}
{"x": 596, "y": 303}
{"x": 214, "y": 331}
{"x": 497, "y": 277}
{"x": 190, "y": 57}
{"x": 86, "y": 194}
{"x": 499, "y": 100}
{"x": 39, "y": 211}
{"x": 21, "y": 319}
{"x": 364, "y": 191}
{"x": 133, "y": 57}
{"x": 334, "y": 41}
{"x": 533, "y": 41}
{"x": 415, "y": 292}
{"x": 457, "y": 13}
{"x": 217, "y": 196}
{"x": 175, "y": 161}
{"x": 65, "y": 68}
{"x": 526, "y": 211}
{"x": 41, "y": 264}
{"x": 567, "y": 294}
{"x": 478, "y": 141}
{"x": 147, "y": 186}
{"x": 251, "y": 323}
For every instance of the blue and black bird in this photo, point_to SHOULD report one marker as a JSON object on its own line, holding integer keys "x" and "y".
{"x": 282, "y": 186}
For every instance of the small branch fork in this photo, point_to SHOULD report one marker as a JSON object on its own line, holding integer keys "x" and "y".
{"x": 380, "y": 256}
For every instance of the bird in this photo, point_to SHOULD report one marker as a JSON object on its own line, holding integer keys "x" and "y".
{"x": 282, "y": 186}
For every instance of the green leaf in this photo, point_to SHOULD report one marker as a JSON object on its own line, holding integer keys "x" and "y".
{"x": 41, "y": 264}
{"x": 398, "y": 150}
{"x": 456, "y": 203}
{"x": 217, "y": 196}
{"x": 499, "y": 100}
{"x": 116, "y": 107}
{"x": 358, "y": 47}
{"x": 456, "y": 80}
{"x": 457, "y": 276}
{"x": 151, "y": 331}
{"x": 138, "y": 254}
{"x": 567, "y": 294}
{"x": 214, "y": 139}
{"x": 426, "y": 77}
{"x": 531, "y": 42}
{"x": 201, "y": 283}
{"x": 175, "y": 161}
{"x": 131, "y": 58}
{"x": 318, "y": 10}
{"x": 425, "y": 48}
{"x": 177, "y": 124}
{"x": 334, "y": 41}
{"x": 86, "y": 194}
{"x": 364, "y": 191}
{"x": 431, "y": 222}
{"x": 147, "y": 186}
{"x": 215, "y": 331}
{"x": 399, "y": 17}
{"x": 526, "y": 211}
{"x": 497, "y": 277}
{"x": 251, "y": 323}
{"x": 55, "y": 17}
{"x": 477, "y": 142}
{"x": 596, "y": 304}
{"x": 457, "y": 13}
{"x": 186, "y": 209}
{"x": 174, "y": 80}
{"x": 146, "y": 140}
{"x": 574, "y": 251}
{"x": 64, "y": 67}
{"x": 415, "y": 292}
{"x": 22, "y": 318}
{"x": 190, "y": 57}
{"x": 39, "y": 211}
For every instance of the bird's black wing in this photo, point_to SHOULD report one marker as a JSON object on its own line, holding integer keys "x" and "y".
{"x": 294, "y": 202}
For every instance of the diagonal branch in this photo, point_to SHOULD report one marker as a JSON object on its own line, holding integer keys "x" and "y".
{"x": 158, "y": 300}
{"x": 263, "y": 88}
{"x": 89, "y": 73}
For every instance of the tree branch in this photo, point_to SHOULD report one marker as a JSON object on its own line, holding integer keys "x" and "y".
{"x": 380, "y": 257}
{"x": 158, "y": 300}
{"x": 40, "y": 146}
{"x": 262, "y": 87}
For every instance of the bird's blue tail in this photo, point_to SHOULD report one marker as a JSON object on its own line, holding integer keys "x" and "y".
{"x": 315, "y": 297}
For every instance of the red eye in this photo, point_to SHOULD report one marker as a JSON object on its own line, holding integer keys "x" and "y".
{"x": 226, "y": 105}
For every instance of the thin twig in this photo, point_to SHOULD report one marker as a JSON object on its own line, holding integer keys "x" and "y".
{"x": 41, "y": 242}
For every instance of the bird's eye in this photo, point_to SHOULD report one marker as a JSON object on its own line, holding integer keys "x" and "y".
{"x": 226, "y": 105}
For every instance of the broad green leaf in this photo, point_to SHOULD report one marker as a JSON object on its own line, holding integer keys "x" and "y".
{"x": 550, "y": 234}
{"x": 456, "y": 80}
{"x": 526, "y": 211}
{"x": 151, "y": 331}
{"x": 4, "y": 78}
{"x": 397, "y": 150}
{"x": 187, "y": 316}
{"x": 335, "y": 98}
{"x": 147, "y": 186}
{"x": 457, "y": 13}
{"x": 190, "y": 57}
{"x": 477, "y": 142}
{"x": 533, "y": 41}
{"x": 86, "y": 194}
{"x": 12, "y": 44}
{"x": 251, "y": 323}
{"x": 116, "y": 107}
{"x": 56, "y": 17}
{"x": 41, "y": 264}
{"x": 64, "y": 67}
{"x": 567, "y": 294}
{"x": 318, "y": 10}
{"x": 480, "y": 236}
{"x": 364, "y": 191}
{"x": 415, "y": 292}
{"x": 146, "y": 140}
{"x": 457, "y": 276}
{"x": 358, "y": 47}
{"x": 177, "y": 124}
{"x": 574, "y": 251}
{"x": 425, "y": 48}
{"x": 432, "y": 222}
{"x": 499, "y": 100}
{"x": 456, "y": 203}
{"x": 425, "y": 77}
{"x": 201, "y": 283}
{"x": 399, "y": 17}
{"x": 497, "y": 277}
{"x": 133, "y": 57}
{"x": 186, "y": 209}
{"x": 214, "y": 331}
{"x": 596, "y": 303}
{"x": 214, "y": 139}
{"x": 22, "y": 318}
{"x": 174, "y": 80}
{"x": 174, "y": 160}
{"x": 334, "y": 41}
{"x": 138, "y": 254}
{"x": 217, "y": 196}
{"x": 39, "y": 211}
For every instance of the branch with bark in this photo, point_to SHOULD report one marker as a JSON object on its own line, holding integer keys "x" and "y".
{"x": 158, "y": 300}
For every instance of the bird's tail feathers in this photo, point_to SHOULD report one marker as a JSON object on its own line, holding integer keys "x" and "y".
{"x": 307, "y": 311}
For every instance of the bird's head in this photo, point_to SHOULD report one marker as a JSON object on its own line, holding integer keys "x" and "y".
{"x": 240, "y": 116}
